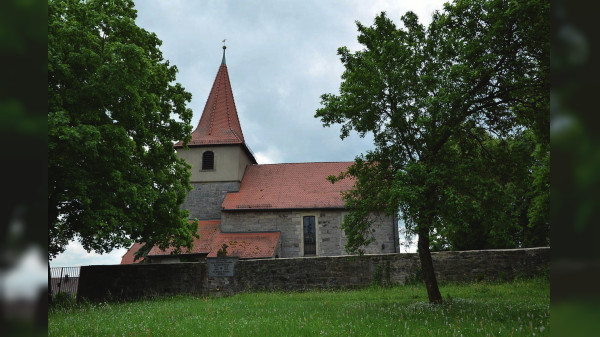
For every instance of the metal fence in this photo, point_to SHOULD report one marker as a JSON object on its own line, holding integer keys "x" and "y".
{"x": 64, "y": 279}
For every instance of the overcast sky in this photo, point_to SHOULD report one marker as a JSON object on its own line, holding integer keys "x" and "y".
{"x": 281, "y": 57}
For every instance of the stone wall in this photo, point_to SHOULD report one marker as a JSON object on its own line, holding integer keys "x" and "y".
{"x": 496, "y": 264}
{"x": 115, "y": 282}
{"x": 131, "y": 281}
{"x": 205, "y": 199}
{"x": 361, "y": 271}
{"x": 330, "y": 237}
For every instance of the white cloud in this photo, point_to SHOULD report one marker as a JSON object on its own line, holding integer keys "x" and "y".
{"x": 75, "y": 255}
{"x": 318, "y": 65}
{"x": 270, "y": 156}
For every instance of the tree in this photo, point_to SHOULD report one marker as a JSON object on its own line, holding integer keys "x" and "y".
{"x": 436, "y": 99}
{"x": 114, "y": 176}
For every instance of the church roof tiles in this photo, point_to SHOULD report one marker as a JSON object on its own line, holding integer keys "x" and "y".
{"x": 211, "y": 239}
{"x": 129, "y": 256}
{"x": 289, "y": 186}
{"x": 219, "y": 123}
{"x": 207, "y": 230}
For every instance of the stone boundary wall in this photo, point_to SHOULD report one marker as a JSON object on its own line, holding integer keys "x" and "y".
{"x": 130, "y": 281}
{"x": 143, "y": 280}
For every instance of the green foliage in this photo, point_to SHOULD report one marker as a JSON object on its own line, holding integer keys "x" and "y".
{"x": 453, "y": 108}
{"x": 222, "y": 252}
{"x": 499, "y": 309}
{"x": 497, "y": 210}
{"x": 539, "y": 212}
{"x": 382, "y": 275}
{"x": 114, "y": 112}
{"x": 377, "y": 275}
{"x": 63, "y": 300}
{"x": 415, "y": 278}
{"x": 444, "y": 103}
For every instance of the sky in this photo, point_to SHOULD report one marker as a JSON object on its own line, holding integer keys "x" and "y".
{"x": 281, "y": 57}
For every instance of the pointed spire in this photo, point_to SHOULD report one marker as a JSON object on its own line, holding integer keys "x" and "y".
{"x": 219, "y": 123}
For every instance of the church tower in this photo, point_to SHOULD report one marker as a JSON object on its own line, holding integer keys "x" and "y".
{"x": 217, "y": 151}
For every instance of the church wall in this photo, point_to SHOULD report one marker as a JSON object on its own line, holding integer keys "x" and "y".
{"x": 228, "y": 162}
{"x": 243, "y": 161}
{"x": 330, "y": 237}
{"x": 205, "y": 199}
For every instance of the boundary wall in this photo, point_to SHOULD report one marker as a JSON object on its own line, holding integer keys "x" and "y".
{"x": 118, "y": 282}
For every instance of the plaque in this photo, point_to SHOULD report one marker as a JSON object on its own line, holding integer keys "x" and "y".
{"x": 220, "y": 267}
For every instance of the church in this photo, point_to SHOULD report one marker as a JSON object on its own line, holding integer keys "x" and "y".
{"x": 259, "y": 211}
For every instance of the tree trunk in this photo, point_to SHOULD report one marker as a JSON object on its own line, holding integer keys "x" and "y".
{"x": 433, "y": 291}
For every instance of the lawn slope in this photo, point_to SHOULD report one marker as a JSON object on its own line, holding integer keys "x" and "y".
{"x": 519, "y": 308}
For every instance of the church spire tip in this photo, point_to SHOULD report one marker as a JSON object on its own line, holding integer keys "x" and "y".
{"x": 224, "y": 47}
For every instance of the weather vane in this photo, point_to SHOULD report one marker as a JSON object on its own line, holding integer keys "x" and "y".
{"x": 224, "y": 47}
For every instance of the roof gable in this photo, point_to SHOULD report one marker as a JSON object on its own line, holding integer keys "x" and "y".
{"x": 290, "y": 186}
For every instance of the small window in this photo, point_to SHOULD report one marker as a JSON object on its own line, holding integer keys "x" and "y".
{"x": 208, "y": 160}
{"x": 310, "y": 236}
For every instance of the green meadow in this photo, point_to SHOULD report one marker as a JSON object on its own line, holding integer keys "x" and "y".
{"x": 518, "y": 308}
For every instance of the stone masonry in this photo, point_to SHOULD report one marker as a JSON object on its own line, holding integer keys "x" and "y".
{"x": 339, "y": 272}
{"x": 204, "y": 201}
{"x": 330, "y": 237}
{"x": 359, "y": 271}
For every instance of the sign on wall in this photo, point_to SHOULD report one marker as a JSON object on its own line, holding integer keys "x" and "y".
{"x": 221, "y": 267}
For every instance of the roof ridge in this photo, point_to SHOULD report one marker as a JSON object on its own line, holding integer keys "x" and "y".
{"x": 239, "y": 137}
{"x": 214, "y": 107}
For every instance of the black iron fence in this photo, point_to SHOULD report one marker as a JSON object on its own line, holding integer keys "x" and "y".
{"x": 65, "y": 280}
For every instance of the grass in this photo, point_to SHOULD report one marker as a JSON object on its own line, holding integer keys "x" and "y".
{"x": 576, "y": 317}
{"x": 519, "y": 308}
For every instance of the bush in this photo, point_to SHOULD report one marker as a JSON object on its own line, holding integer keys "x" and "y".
{"x": 63, "y": 299}
{"x": 379, "y": 279}
{"x": 416, "y": 278}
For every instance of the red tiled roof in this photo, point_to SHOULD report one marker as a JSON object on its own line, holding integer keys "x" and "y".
{"x": 246, "y": 245}
{"x": 242, "y": 245}
{"x": 129, "y": 256}
{"x": 207, "y": 230}
{"x": 219, "y": 123}
{"x": 289, "y": 186}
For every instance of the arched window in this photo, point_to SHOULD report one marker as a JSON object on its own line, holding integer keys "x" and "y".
{"x": 208, "y": 160}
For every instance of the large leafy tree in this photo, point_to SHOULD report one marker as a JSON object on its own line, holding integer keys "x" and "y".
{"x": 114, "y": 112}
{"x": 504, "y": 197}
{"x": 438, "y": 100}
